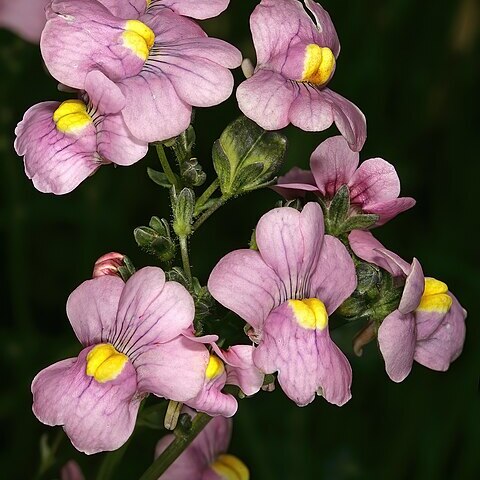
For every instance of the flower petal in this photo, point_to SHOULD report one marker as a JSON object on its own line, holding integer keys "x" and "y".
{"x": 333, "y": 164}
{"x": 396, "y": 338}
{"x": 174, "y": 370}
{"x": 307, "y": 360}
{"x": 151, "y": 311}
{"x": 199, "y": 9}
{"x": 266, "y": 98}
{"x": 375, "y": 181}
{"x": 25, "y": 17}
{"x": 349, "y": 119}
{"x": 56, "y": 162}
{"x": 83, "y": 36}
{"x": 334, "y": 278}
{"x": 154, "y": 110}
{"x": 389, "y": 209}
{"x": 413, "y": 290}
{"x": 245, "y": 284}
{"x": 276, "y": 24}
{"x": 327, "y": 35}
{"x": 96, "y": 416}
{"x": 103, "y": 93}
{"x": 368, "y": 248}
{"x": 290, "y": 242}
{"x": 92, "y": 309}
{"x": 71, "y": 471}
{"x": 128, "y": 10}
{"x": 440, "y": 337}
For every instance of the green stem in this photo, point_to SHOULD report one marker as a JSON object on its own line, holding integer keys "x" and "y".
{"x": 172, "y": 178}
{"x": 207, "y": 194}
{"x": 110, "y": 463}
{"x": 49, "y": 461}
{"x": 185, "y": 257}
{"x": 175, "y": 449}
{"x": 206, "y": 215}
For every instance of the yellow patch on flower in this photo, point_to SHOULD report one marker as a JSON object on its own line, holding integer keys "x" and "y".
{"x": 435, "y": 297}
{"x": 104, "y": 363}
{"x": 215, "y": 367}
{"x": 229, "y": 467}
{"x": 148, "y": 2}
{"x": 72, "y": 116}
{"x": 310, "y": 313}
{"x": 319, "y": 64}
{"x": 139, "y": 38}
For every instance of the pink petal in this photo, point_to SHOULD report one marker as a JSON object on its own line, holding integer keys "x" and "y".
{"x": 389, "y": 209}
{"x": 334, "y": 278}
{"x": 96, "y": 416}
{"x": 200, "y": 9}
{"x": 25, "y": 17}
{"x": 92, "y": 309}
{"x": 396, "y": 338}
{"x": 375, "y": 181}
{"x": 255, "y": 285}
{"x": 413, "y": 289}
{"x": 71, "y": 471}
{"x": 266, "y": 98}
{"x": 333, "y": 163}
{"x": 103, "y": 93}
{"x": 154, "y": 111}
{"x": 151, "y": 311}
{"x": 56, "y": 162}
{"x": 128, "y": 10}
{"x": 307, "y": 361}
{"x": 327, "y": 35}
{"x": 174, "y": 370}
{"x": 290, "y": 242}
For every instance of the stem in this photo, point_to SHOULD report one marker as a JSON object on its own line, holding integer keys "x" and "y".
{"x": 185, "y": 257}
{"x": 110, "y": 463}
{"x": 207, "y": 194}
{"x": 48, "y": 462}
{"x": 205, "y": 216}
{"x": 172, "y": 178}
{"x": 175, "y": 449}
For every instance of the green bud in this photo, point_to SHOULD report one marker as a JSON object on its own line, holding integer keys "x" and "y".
{"x": 246, "y": 157}
{"x": 156, "y": 239}
{"x": 360, "y": 222}
{"x": 127, "y": 269}
{"x": 338, "y": 210}
{"x": 159, "y": 178}
{"x": 183, "y": 208}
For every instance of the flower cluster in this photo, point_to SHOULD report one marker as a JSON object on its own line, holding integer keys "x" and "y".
{"x": 136, "y": 69}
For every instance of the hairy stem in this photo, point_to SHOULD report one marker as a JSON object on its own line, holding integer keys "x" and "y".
{"x": 207, "y": 194}
{"x": 185, "y": 257}
{"x": 175, "y": 449}
{"x": 172, "y": 178}
{"x": 206, "y": 215}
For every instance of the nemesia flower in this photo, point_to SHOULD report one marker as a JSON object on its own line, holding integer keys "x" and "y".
{"x": 64, "y": 143}
{"x": 71, "y": 471}
{"x": 231, "y": 367}
{"x": 108, "y": 264}
{"x": 429, "y": 324}
{"x": 163, "y": 63}
{"x": 132, "y": 334}
{"x": 206, "y": 458}
{"x": 25, "y": 17}
{"x": 199, "y": 9}
{"x": 374, "y": 185}
{"x": 296, "y": 59}
{"x": 286, "y": 291}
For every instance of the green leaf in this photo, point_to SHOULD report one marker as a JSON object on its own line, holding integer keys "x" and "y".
{"x": 159, "y": 178}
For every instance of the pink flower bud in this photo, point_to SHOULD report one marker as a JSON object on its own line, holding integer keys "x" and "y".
{"x": 108, "y": 264}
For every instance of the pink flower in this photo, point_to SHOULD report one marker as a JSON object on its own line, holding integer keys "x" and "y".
{"x": 64, "y": 143}
{"x": 162, "y": 63}
{"x": 108, "y": 264}
{"x": 429, "y": 324}
{"x": 286, "y": 291}
{"x": 71, "y": 471}
{"x": 374, "y": 186}
{"x": 206, "y": 458}
{"x": 296, "y": 59}
{"x": 25, "y": 17}
{"x": 134, "y": 344}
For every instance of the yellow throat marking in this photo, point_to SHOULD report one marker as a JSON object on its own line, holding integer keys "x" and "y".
{"x": 435, "y": 297}
{"x": 215, "y": 367}
{"x": 104, "y": 363}
{"x": 318, "y": 65}
{"x": 71, "y": 116}
{"x": 310, "y": 313}
{"x": 229, "y": 467}
{"x": 139, "y": 38}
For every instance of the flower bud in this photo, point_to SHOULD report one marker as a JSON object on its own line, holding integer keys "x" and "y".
{"x": 156, "y": 239}
{"x": 183, "y": 209}
{"x": 108, "y": 264}
{"x": 246, "y": 157}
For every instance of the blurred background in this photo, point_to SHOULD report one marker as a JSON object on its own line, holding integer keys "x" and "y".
{"x": 412, "y": 67}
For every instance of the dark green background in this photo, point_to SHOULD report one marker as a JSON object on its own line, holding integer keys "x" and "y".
{"x": 412, "y": 68}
